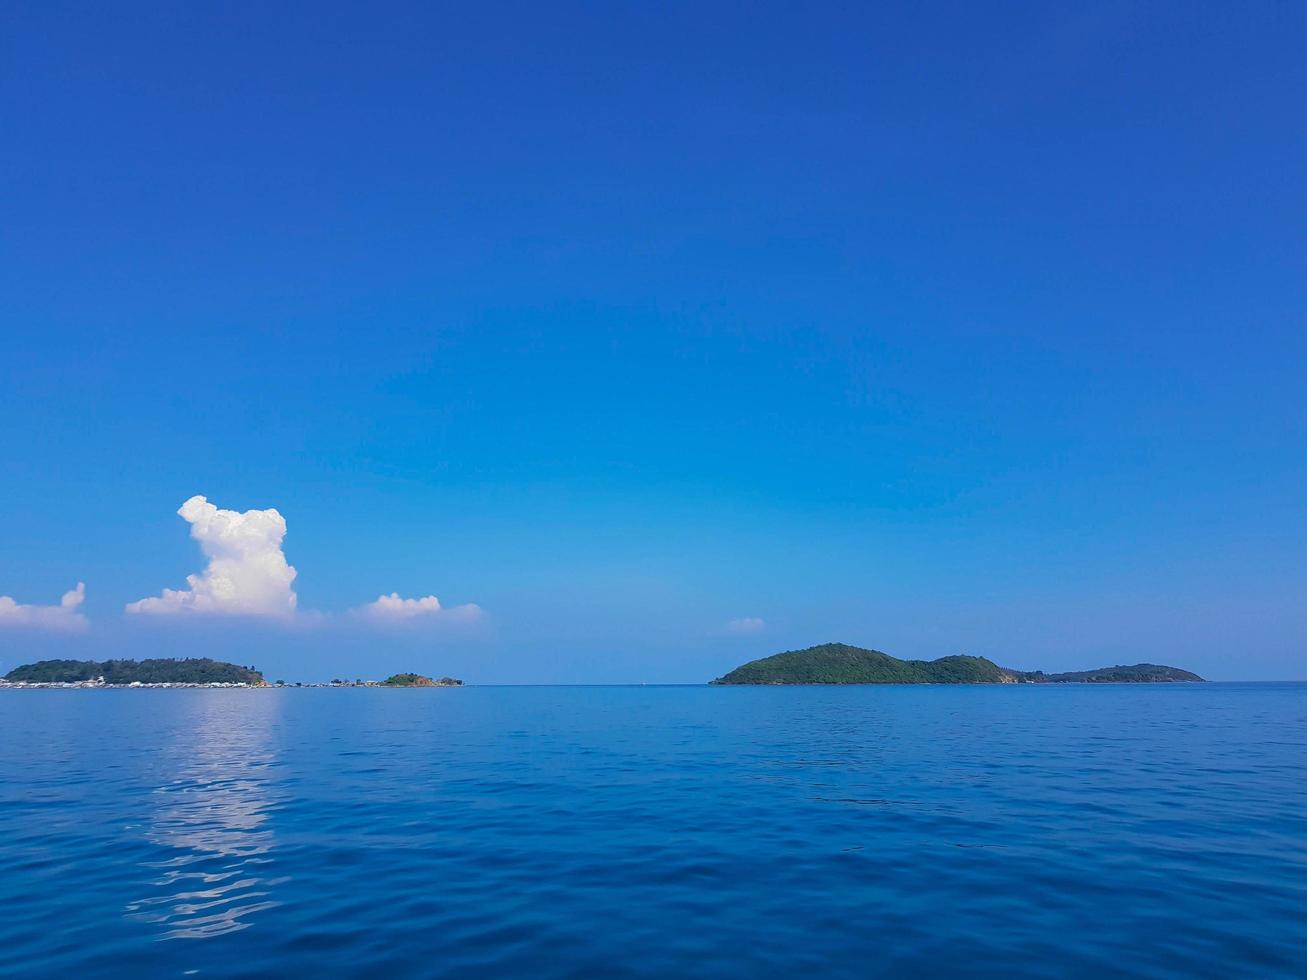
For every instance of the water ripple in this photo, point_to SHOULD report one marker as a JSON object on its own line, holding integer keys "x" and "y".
{"x": 651, "y": 832}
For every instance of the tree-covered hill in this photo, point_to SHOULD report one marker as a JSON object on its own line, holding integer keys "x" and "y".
{"x": 840, "y": 663}
{"x": 199, "y": 670}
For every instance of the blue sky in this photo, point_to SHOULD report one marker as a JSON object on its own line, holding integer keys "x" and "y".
{"x": 937, "y": 328}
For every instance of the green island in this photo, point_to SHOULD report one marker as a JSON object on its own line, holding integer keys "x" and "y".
{"x": 417, "y": 680}
{"x": 197, "y": 670}
{"x": 1120, "y": 674}
{"x": 189, "y": 672}
{"x": 829, "y": 663}
{"x": 840, "y": 663}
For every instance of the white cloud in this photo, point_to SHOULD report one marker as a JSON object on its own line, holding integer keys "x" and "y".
{"x": 749, "y": 624}
{"x": 247, "y": 573}
{"x": 393, "y": 609}
{"x": 65, "y": 616}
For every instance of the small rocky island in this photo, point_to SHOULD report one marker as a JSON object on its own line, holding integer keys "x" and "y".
{"x": 417, "y": 680}
{"x": 840, "y": 663}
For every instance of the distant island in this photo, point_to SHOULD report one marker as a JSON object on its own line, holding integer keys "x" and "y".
{"x": 417, "y": 680}
{"x": 190, "y": 672}
{"x": 1134, "y": 674}
{"x": 829, "y": 663}
{"x": 840, "y": 663}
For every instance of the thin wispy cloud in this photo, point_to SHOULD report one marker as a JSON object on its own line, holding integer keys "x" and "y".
{"x": 66, "y": 616}
{"x": 247, "y": 574}
{"x": 748, "y": 624}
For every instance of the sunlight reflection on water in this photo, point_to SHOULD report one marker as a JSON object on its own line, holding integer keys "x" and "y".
{"x": 214, "y": 817}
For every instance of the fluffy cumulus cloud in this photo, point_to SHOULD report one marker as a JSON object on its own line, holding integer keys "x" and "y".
{"x": 247, "y": 573}
{"x": 393, "y": 609}
{"x": 65, "y": 616}
{"x": 749, "y": 624}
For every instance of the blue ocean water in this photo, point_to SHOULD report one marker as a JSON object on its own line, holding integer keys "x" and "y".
{"x": 656, "y": 831}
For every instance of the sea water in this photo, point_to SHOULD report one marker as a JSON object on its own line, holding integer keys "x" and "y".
{"x": 1145, "y": 830}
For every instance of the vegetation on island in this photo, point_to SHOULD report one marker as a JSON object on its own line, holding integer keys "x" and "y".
{"x": 1136, "y": 674}
{"x": 192, "y": 670}
{"x": 417, "y": 680}
{"x": 840, "y": 663}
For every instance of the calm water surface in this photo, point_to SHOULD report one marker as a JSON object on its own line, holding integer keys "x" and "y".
{"x": 656, "y": 831}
